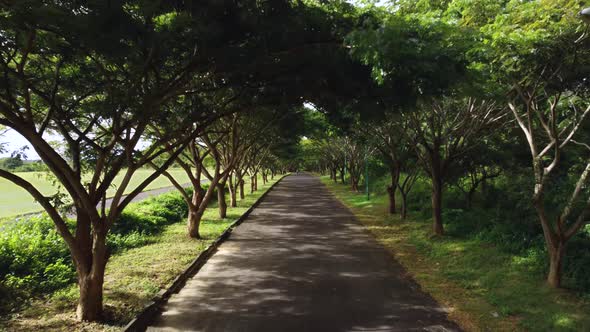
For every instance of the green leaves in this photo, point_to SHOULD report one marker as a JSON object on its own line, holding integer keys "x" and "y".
{"x": 527, "y": 38}
{"x": 421, "y": 55}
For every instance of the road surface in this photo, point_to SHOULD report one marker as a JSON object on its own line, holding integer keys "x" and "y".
{"x": 301, "y": 262}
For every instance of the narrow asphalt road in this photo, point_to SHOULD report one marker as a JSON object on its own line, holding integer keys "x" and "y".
{"x": 139, "y": 197}
{"x": 149, "y": 193}
{"x": 301, "y": 262}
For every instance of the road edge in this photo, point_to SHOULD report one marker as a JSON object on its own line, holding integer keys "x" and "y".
{"x": 406, "y": 274}
{"x": 149, "y": 313}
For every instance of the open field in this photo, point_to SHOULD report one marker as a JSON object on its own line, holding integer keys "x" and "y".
{"x": 15, "y": 200}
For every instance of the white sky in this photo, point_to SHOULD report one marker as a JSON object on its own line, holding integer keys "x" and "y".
{"x": 14, "y": 141}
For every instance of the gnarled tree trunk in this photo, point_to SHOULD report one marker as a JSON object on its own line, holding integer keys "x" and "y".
{"x": 404, "y": 207}
{"x": 242, "y": 194}
{"x": 556, "y": 254}
{"x": 194, "y": 213}
{"x": 232, "y": 192}
{"x": 394, "y": 171}
{"x": 391, "y": 196}
{"x": 90, "y": 262}
{"x": 437, "y": 188}
{"x": 354, "y": 182}
{"x": 194, "y": 222}
{"x": 556, "y": 246}
{"x": 222, "y": 204}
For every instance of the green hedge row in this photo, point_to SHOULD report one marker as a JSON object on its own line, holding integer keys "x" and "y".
{"x": 504, "y": 217}
{"x": 34, "y": 260}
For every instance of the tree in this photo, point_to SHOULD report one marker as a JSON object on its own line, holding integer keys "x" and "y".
{"x": 102, "y": 76}
{"x": 356, "y": 154}
{"x": 441, "y": 133}
{"x": 545, "y": 66}
{"x": 550, "y": 123}
{"x": 397, "y": 154}
{"x": 193, "y": 162}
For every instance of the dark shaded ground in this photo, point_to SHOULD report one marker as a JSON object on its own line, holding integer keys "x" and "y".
{"x": 301, "y": 262}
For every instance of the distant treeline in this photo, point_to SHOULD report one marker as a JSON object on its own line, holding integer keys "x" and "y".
{"x": 17, "y": 164}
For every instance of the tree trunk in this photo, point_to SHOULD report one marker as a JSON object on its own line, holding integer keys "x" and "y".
{"x": 221, "y": 201}
{"x": 355, "y": 184}
{"x": 333, "y": 175}
{"x": 199, "y": 203}
{"x": 256, "y": 181}
{"x": 391, "y": 195}
{"x": 233, "y": 200}
{"x": 194, "y": 215}
{"x": 555, "y": 264}
{"x": 242, "y": 194}
{"x": 394, "y": 172}
{"x": 90, "y": 302}
{"x": 252, "y": 184}
{"x": 437, "y": 223}
{"x": 232, "y": 192}
{"x": 194, "y": 222}
{"x": 342, "y": 176}
{"x": 404, "y": 207}
{"x": 90, "y": 268}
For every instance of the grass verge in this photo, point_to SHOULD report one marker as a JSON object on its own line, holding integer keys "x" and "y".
{"x": 485, "y": 288}
{"x": 133, "y": 276}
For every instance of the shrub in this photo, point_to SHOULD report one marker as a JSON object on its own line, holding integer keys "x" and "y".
{"x": 34, "y": 260}
{"x": 505, "y": 218}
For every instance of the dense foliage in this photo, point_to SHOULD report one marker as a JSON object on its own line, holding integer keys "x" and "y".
{"x": 34, "y": 260}
{"x": 482, "y": 104}
{"x": 127, "y": 85}
{"x": 488, "y": 100}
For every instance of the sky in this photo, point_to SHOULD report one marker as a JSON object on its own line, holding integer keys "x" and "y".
{"x": 14, "y": 141}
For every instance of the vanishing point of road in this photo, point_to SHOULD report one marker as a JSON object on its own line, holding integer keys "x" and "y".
{"x": 301, "y": 262}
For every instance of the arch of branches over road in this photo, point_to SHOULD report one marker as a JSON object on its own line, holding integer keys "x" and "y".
{"x": 473, "y": 95}
{"x": 214, "y": 87}
{"x": 458, "y": 93}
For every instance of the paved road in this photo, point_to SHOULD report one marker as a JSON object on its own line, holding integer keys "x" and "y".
{"x": 301, "y": 262}
{"x": 149, "y": 193}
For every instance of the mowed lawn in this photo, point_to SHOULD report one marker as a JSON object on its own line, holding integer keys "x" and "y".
{"x": 15, "y": 200}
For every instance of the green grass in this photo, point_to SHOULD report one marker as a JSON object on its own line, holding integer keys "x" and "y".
{"x": 486, "y": 289}
{"x": 15, "y": 200}
{"x": 133, "y": 277}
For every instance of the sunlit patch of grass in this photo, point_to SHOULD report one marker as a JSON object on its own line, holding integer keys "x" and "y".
{"x": 133, "y": 276}
{"x": 15, "y": 201}
{"x": 488, "y": 290}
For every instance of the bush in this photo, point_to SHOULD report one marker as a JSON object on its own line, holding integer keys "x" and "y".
{"x": 505, "y": 218}
{"x": 34, "y": 260}
{"x": 577, "y": 264}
